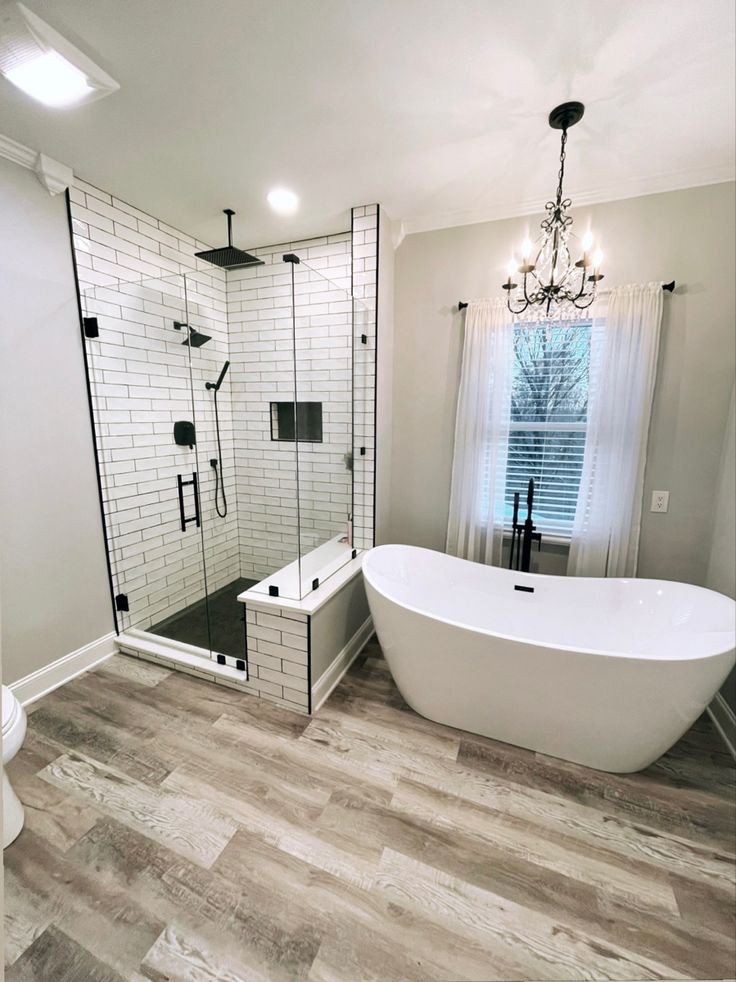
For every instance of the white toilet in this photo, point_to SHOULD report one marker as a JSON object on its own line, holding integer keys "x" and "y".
{"x": 14, "y": 731}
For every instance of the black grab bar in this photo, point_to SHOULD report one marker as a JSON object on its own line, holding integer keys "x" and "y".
{"x": 185, "y": 484}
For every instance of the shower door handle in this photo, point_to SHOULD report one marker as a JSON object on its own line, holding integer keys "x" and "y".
{"x": 184, "y": 484}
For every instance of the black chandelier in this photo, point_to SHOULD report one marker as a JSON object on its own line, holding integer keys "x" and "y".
{"x": 551, "y": 278}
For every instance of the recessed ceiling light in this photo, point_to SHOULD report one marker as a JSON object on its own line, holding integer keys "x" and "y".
{"x": 51, "y": 79}
{"x": 43, "y": 64}
{"x": 283, "y": 201}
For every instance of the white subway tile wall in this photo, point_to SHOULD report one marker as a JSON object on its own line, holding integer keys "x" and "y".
{"x": 140, "y": 383}
{"x": 278, "y": 654}
{"x": 130, "y": 268}
{"x": 264, "y": 371}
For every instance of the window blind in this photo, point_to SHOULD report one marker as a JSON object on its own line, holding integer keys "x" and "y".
{"x": 551, "y": 378}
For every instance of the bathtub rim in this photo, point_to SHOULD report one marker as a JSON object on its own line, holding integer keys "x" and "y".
{"x": 371, "y": 579}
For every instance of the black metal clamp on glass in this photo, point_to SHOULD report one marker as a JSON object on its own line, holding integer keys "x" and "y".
{"x": 185, "y": 484}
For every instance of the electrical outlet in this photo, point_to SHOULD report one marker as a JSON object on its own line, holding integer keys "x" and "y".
{"x": 660, "y": 501}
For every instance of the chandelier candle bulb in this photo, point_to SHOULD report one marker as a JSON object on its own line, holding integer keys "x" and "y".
{"x": 526, "y": 251}
{"x": 511, "y": 270}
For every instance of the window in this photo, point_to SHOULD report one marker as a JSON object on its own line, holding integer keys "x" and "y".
{"x": 308, "y": 421}
{"x": 549, "y": 405}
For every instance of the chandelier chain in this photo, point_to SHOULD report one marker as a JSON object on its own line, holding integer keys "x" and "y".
{"x": 561, "y": 172}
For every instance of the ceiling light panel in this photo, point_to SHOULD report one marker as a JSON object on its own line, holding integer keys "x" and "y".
{"x": 283, "y": 201}
{"x": 43, "y": 64}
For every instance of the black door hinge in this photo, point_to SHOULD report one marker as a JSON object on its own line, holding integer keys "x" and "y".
{"x": 121, "y": 602}
{"x": 91, "y": 327}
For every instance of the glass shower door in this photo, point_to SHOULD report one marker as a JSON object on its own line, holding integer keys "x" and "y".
{"x": 140, "y": 347}
{"x": 217, "y": 379}
{"x": 324, "y": 355}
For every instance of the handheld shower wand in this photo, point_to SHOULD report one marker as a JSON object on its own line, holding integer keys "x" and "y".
{"x": 216, "y": 385}
{"x": 214, "y": 461}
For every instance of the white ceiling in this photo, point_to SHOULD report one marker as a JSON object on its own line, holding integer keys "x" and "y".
{"x": 435, "y": 108}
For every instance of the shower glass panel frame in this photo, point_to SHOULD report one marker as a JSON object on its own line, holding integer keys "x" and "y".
{"x": 176, "y": 543}
{"x": 235, "y": 463}
{"x": 363, "y": 423}
{"x": 142, "y": 381}
{"x": 323, "y": 347}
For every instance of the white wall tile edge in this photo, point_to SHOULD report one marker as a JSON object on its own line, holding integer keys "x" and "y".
{"x": 335, "y": 671}
{"x": 724, "y": 720}
{"x": 63, "y": 670}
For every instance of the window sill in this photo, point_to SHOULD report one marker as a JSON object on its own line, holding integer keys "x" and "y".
{"x": 548, "y": 538}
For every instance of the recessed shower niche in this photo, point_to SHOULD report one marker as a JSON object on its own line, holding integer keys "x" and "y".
{"x": 300, "y": 421}
{"x": 199, "y": 383}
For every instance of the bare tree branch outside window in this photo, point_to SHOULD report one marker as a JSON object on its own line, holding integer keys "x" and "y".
{"x": 548, "y": 419}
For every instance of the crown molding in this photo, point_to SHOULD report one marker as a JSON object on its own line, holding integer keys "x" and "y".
{"x": 17, "y": 152}
{"x": 634, "y": 188}
{"x": 53, "y": 175}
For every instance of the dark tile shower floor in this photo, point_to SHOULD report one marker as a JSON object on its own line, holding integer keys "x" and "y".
{"x": 226, "y": 632}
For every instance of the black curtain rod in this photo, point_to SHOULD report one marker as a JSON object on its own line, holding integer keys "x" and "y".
{"x": 669, "y": 287}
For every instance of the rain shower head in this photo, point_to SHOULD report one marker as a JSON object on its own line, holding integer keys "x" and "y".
{"x": 194, "y": 339}
{"x": 228, "y": 257}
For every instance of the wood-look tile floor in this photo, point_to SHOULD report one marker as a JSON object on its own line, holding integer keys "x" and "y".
{"x": 180, "y": 830}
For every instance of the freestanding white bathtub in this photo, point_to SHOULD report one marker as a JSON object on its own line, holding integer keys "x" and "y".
{"x": 603, "y": 672}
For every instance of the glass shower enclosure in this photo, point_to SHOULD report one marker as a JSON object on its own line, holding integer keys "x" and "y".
{"x": 224, "y": 446}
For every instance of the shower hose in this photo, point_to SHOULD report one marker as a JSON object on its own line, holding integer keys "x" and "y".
{"x": 219, "y": 477}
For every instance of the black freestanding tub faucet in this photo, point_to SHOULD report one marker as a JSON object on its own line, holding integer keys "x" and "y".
{"x": 523, "y": 535}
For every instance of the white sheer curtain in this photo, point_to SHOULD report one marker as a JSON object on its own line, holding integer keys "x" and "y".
{"x": 605, "y": 537}
{"x": 475, "y": 524}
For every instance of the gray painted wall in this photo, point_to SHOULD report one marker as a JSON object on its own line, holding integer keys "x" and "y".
{"x": 53, "y": 577}
{"x": 682, "y": 235}
{"x": 722, "y": 565}
{"x": 336, "y": 623}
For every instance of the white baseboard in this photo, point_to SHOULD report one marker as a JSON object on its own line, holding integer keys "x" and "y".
{"x": 335, "y": 671}
{"x": 64, "y": 669}
{"x": 725, "y": 721}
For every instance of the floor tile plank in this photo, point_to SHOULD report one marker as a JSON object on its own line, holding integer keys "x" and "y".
{"x": 53, "y": 955}
{"x": 181, "y": 830}
{"x": 190, "y": 826}
{"x": 524, "y": 943}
